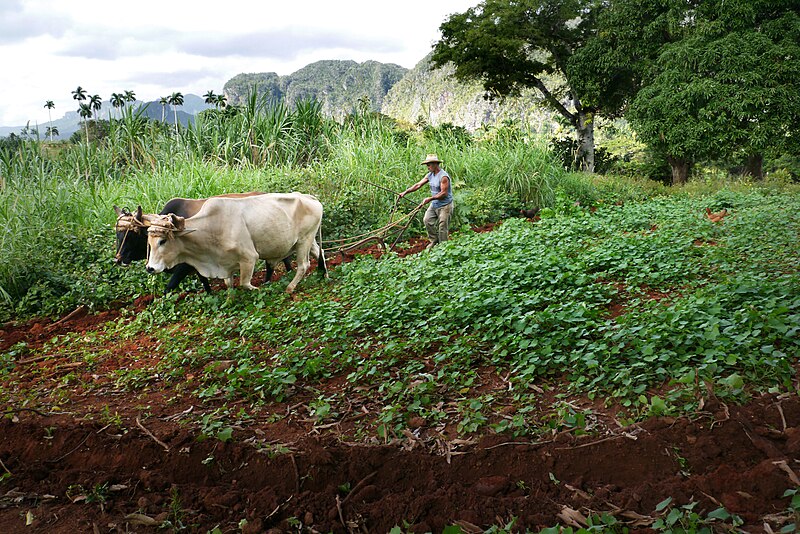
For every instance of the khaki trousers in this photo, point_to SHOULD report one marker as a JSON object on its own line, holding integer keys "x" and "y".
{"x": 437, "y": 222}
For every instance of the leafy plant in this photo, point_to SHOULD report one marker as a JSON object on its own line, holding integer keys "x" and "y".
{"x": 685, "y": 519}
{"x": 212, "y": 425}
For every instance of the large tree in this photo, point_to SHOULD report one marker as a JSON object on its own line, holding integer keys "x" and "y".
{"x": 709, "y": 79}
{"x": 611, "y": 67}
{"x": 516, "y": 44}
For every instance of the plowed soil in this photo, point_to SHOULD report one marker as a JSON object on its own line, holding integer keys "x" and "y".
{"x": 113, "y": 461}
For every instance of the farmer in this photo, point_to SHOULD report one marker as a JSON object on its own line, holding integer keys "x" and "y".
{"x": 437, "y": 217}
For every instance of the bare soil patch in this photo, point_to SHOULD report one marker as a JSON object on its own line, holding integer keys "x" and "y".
{"x": 115, "y": 461}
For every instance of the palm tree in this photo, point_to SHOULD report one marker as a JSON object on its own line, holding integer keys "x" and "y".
{"x": 49, "y": 105}
{"x": 79, "y": 94}
{"x": 175, "y": 100}
{"x": 85, "y": 111}
{"x": 130, "y": 96}
{"x": 211, "y": 98}
{"x": 118, "y": 101}
{"x": 222, "y": 101}
{"x": 163, "y": 101}
{"x": 95, "y": 102}
{"x": 51, "y": 131}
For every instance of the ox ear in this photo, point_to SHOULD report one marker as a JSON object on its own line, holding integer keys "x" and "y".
{"x": 177, "y": 221}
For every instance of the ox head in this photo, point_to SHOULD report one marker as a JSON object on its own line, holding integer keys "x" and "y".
{"x": 131, "y": 230}
{"x": 163, "y": 242}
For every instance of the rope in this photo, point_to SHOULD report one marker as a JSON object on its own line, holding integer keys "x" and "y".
{"x": 127, "y": 222}
{"x": 162, "y": 226}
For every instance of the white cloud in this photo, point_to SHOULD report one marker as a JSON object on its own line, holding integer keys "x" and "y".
{"x": 155, "y": 48}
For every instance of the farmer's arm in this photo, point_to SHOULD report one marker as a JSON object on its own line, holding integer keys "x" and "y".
{"x": 414, "y": 187}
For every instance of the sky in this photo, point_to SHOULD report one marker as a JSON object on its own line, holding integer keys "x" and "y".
{"x": 155, "y": 48}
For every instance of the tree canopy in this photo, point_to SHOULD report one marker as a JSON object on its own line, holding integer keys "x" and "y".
{"x": 698, "y": 79}
{"x": 511, "y": 45}
{"x": 730, "y": 89}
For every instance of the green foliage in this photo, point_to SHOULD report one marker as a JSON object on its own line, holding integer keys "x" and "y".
{"x": 680, "y": 519}
{"x": 214, "y": 425}
{"x": 532, "y": 298}
{"x": 794, "y": 511}
{"x": 736, "y": 86}
{"x": 491, "y": 42}
{"x": 480, "y": 205}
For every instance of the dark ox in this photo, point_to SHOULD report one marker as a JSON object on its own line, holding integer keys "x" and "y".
{"x": 131, "y": 231}
{"x": 230, "y": 234}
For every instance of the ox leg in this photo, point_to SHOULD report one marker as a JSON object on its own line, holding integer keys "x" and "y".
{"x": 301, "y": 253}
{"x": 318, "y": 253}
{"x": 246, "y": 268}
{"x": 268, "y": 272}
{"x": 270, "y": 269}
{"x": 181, "y": 271}
{"x": 205, "y": 282}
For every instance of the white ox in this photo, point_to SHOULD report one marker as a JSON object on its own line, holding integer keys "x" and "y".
{"x": 233, "y": 233}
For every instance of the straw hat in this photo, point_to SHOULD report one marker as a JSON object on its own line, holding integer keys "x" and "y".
{"x": 431, "y": 158}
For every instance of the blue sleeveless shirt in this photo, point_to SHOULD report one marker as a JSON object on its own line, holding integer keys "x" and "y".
{"x": 435, "y": 181}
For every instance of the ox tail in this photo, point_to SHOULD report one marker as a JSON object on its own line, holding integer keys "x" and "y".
{"x": 321, "y": 258}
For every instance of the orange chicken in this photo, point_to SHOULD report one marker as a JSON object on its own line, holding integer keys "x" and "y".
{"x": 716, "y": 216}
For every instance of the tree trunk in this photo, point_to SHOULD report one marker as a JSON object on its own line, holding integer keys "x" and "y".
{"x": 582, "y": 120}
{"x": 755, "y": 166}
{"x": 680, "y": 170}
{"x": 585, "y": 129}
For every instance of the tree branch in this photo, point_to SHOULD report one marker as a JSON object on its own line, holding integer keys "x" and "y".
{"x": 553, "y": 101}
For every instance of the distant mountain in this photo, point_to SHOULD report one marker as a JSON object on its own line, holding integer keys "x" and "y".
{"x": 337, "y": 85}
{"x": 71, "y": 121}
{"x": 420, "y": 95}
{"x": 434, "y": 96}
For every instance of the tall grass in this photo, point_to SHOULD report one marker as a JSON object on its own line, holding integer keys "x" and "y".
{"x": 56, "y": 206}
